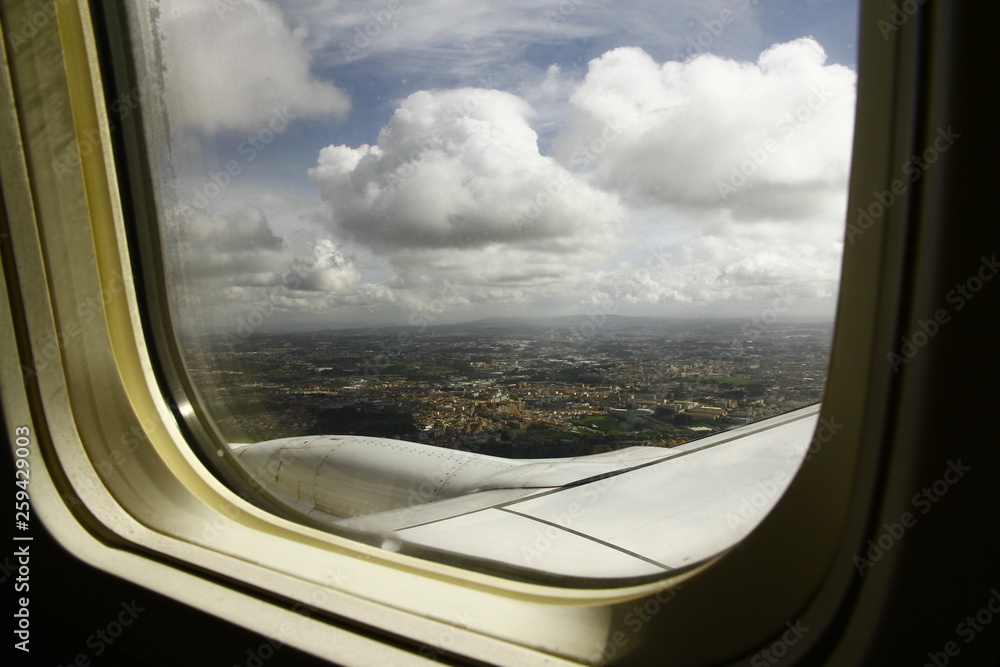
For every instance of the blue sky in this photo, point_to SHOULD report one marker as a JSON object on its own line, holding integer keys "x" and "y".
{"x": 344, "y": 163}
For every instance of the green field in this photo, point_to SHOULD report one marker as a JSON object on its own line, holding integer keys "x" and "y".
{"x": 605, "y": 424}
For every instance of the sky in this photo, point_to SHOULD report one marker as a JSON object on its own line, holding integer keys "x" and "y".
{"x": 342, "y": 163}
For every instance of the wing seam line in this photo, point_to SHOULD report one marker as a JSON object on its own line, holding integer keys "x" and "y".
{"x": 589, "y": 538}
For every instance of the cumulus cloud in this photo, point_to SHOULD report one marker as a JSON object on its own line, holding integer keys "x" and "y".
{"x": 769, "y": 139}
{"x": 719, "y": 277}
{"x": 247, "y": 232}
{"x": 734, "y": 175}
{"x": 241, "y": 250}
{"x": 461, "y": 170}
{"x": 224, "y": 265}
{"x": 456, "y": 188}
{"x": 230, "y": 65}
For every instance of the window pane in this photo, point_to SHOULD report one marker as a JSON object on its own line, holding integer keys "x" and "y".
{"x": 526, "y": 230}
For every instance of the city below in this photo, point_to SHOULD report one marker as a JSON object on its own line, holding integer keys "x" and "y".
{"x": 513, "y": 388}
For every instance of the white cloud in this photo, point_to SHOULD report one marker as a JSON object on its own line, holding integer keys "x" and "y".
{"x": 727, "y": 268}
{"x": 769, "y": 139}
{"x": 230, "y": 65}
{"x": 225, "y": 266}
{"x": 456, "y": 185}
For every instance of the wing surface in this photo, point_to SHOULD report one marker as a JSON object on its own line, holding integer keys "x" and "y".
{"x": 622, "y": 516}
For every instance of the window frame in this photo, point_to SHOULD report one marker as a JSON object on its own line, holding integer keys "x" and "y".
{"x": 101, "y": 393}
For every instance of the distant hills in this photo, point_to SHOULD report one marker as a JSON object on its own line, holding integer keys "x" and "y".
{"x": 587, "y": 324}
{"x": 582, "y": 324}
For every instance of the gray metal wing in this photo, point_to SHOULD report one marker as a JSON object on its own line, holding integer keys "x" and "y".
{"x": 628, "y": 515}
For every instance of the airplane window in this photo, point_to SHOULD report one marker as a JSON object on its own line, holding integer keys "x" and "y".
{"x": 506, "y": 269}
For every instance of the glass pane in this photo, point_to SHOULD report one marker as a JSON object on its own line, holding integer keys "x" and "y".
{"x": 525, "y": 230}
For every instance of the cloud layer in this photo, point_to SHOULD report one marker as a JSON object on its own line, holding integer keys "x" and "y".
{"x": 230, "y": 65}
{"x": 492, "y": 167}
{"x": 735, "y": 171}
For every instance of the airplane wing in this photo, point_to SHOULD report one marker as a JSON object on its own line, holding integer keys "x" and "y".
{"x": 622, "y": 516}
